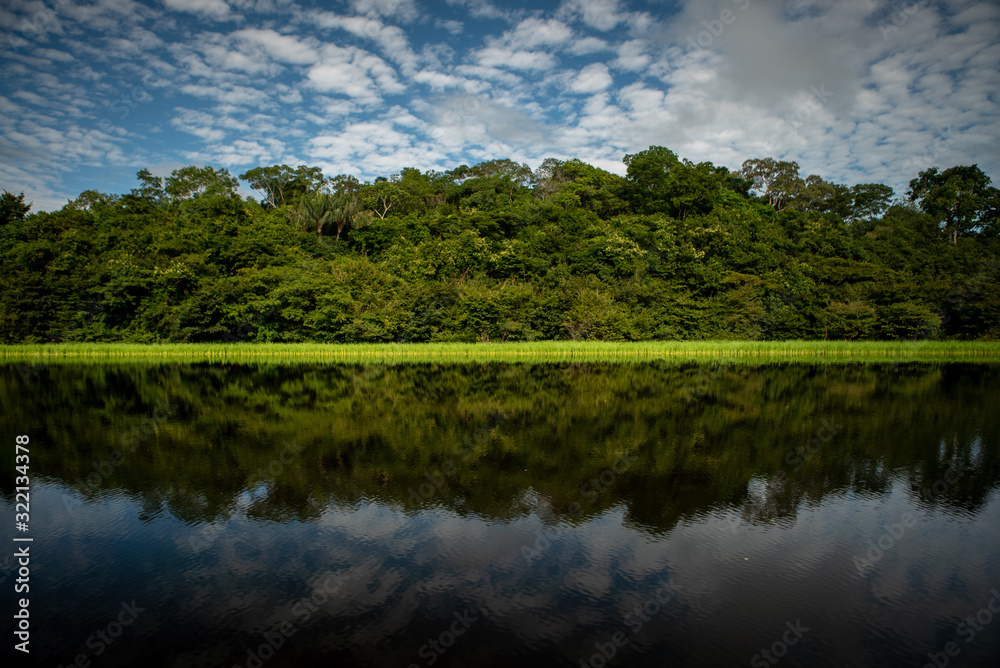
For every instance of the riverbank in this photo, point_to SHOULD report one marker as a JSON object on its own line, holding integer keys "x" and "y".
{"x": 540, "y": 351}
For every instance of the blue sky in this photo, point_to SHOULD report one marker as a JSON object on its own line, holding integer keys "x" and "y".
{"x": 854, "y": 90}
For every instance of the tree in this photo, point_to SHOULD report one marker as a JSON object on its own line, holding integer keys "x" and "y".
{"x": 549, "y": 176}
{"x": 660, "y": 182}
{"x": 12, "y": 207}
{"x": 650, "y": 174}
{"x": 349, "y": 209}
{"x": 423, "y": 189}
{"x": 344, "y": 203}
{"x": 92, "y": 200}
{"x": 189, "y": 182}
{"x": 822, "y": 196}
{"x": 315, "y": 210}
{"x": 778, "y": 180}
{"x": 489, "y": 185}
{"x": 575, "y": 184}
{"x": 281, "y": 185}
{"x": 870, "y": 201}
{"x": 151, "y": 187}
{"x": 960, "y": 198}
{"x": 383, "y": 195}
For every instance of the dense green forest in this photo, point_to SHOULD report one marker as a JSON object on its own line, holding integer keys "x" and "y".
{"x": 498, "y": 252}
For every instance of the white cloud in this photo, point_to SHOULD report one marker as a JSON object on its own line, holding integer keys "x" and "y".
{"x": 405, "y": 10}
{"x": 482, "y": 9}
{"x": 591, "y": 79}
{"x": 442, "y": 81}
{"x": 632, "y": 56}
{"x": 598, "y": 14}
{"x": 284, "y": 48}
{"x": 355, "y": 73}
{"x": 533, "y": 32}
{"x": 516, "y": 60}
{"x": 392, "y": 40}
{"x": 452, "y": 26}
{"x": 587, "y": 45}
{"x": 217, "y": 9}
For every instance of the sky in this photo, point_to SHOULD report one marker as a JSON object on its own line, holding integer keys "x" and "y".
{"x": 856, "y": 91}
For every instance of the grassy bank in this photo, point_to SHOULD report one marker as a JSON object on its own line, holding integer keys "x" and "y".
{"x": 542, "y": 351}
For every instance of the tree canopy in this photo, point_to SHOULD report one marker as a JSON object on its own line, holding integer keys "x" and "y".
{"x": 497, "y": 251}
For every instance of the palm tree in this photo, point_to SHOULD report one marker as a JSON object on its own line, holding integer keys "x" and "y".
{"x": 342, "y": 208}
{"x": 349, "y": 209}
{"x": 315, "y": 210}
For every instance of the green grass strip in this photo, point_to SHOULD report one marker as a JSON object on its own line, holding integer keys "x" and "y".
{"x": 541, "y": 351}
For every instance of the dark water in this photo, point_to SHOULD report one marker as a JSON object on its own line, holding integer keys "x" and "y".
{"x": 488, "y": 515}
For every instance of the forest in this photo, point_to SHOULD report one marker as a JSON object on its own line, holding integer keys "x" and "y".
{"x": 498, "y": 252}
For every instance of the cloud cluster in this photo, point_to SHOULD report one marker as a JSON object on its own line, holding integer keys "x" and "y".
{"x": 854, "y": 91}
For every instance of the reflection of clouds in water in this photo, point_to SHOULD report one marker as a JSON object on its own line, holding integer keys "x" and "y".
{"x": 399, "y": 571}
{"x": 371, "y": 523}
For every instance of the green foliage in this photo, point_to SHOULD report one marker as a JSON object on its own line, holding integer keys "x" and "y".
{"x": 659, "y": 182}
{"x": 674, "y": 250}
{"x": 281, "y": 185}
{"x": 961, "y": 199}
{"x": 189, "y": 182}
{"x": 12, "y": 208}
{"x": 778, "y": 180}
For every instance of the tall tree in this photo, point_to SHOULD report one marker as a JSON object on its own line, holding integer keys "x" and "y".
{"x": 12, "y": 207}
{"x": 150, "y": 187}
{"x": 870, "y": 201}
{"x": 960, "y": 198}
{"x": 192, "y": 181}
{"x": 383, "y": 195}
{"x": 660, "y": 182}
{"x": 281, "y": 185}
{"x": 347, "y": 206}
{"x": 822, "y": 196}
{"x": 777, "y": 179}
{"x": 315, "y": 210}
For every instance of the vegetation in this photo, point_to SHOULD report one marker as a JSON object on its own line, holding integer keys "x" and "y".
{"x": 497, "y": 252}
{"x": 486, "y": 438}
{"x": 740, "y": 352}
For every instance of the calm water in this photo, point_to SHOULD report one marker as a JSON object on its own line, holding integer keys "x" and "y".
{"x": 488, "y": 515}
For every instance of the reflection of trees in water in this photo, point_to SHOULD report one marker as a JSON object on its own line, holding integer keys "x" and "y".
{"x": 483, "y": 435}
{"x": 770, "y": 499}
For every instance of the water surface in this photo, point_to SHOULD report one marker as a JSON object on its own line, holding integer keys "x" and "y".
{"x": 563, "y": 514}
